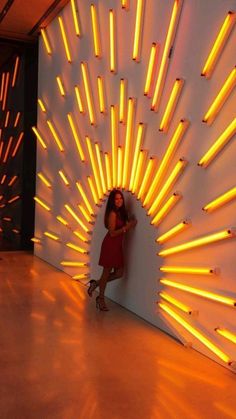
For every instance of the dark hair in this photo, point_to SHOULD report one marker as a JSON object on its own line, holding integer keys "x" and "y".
{"x": 111, "y": 207}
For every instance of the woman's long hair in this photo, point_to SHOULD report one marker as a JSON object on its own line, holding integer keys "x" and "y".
{"x": 111, "y": 207}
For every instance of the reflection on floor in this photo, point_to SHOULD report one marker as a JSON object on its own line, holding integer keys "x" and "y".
{"x": 60, "y": 358}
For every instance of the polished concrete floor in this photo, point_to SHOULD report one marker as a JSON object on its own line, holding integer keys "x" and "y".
{"x": 60, "y": 358}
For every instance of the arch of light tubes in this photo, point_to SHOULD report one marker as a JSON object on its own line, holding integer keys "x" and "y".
{"x": 127, "y": 165}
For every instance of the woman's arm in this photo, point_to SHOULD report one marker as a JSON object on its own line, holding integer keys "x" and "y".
{"x": 112, "y": 225}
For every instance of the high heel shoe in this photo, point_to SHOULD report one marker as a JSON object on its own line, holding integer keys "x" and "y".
{"x": 92, "y": 286}
{"x": 100, "y": 304}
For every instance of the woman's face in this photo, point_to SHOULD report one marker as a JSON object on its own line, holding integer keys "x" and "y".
{"x": 118, "y": 200}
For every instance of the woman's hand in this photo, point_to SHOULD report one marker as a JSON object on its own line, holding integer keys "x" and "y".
{"x": 131, "y": 224}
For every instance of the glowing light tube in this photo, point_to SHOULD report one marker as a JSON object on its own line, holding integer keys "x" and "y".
{"x": 3, "y": 179}
{"x": 218, "y": 45}
{"x": 39, "y": 137}
{"x": 76, "y": 137}
{"x": 139, "y": 171}
{"x": 94, "y": 167}
{"x": 122, "y": 104}
{"x": 46, "y": 41}
{"x": 114, "y": 143}
{"x": 41, "y": 104}
{"x": 51, "y": 236}
{"x": 178, "y": 228}
{"x": 73, "y": 264}
{"x": 13, "y": 179}
{"x": 6, "y": 119}
{"x": 88, "y": 92}
{"x": 175, "y": 302}
{"x": 75, "y": 216}
{"x": 15, "y": 198}
{"x": 80, "y": 236}
{"x": 1, "y": 148}
{"x": 63, "y": 177}
{"x": 17, "y": 119}
{"x": 227, "y": 334}
{"x": 65, "y": 42}
{"x": 75, "y": 14}
{"x": 101, "y": 94}
{"x": 96, "y": 31}
{"x": 171, "y": 105}
{"x": 112, "y": 41}
{"x": 108, "y": 170}
{"x": 213, "y": 151}
{"x": 15, "y": 71}
{"x": 221, "y": 200}
{"x": 85, "y": 199}
{"x": 5, "y": 92}
{"x": 62, "y": 220}
{"x": 80, "y": 276}
{"x": 138, "y": 30}
{"x": 221, "y": 97}
{"x": 100, "y": 167}
{"x": 43, "y": 204}
{"x": 7, "y": 149}
{"x": 178, "y": 169}
{"x": 202, "y": 241}
{"x": 128, "y": 137}
{"x": 55, "y": 136}
{"x": 2, "y": 86}
{"x": 79, "y": 99}
{"x": 196, "y": 333}
{"x": 136, "y": 154}
{"x": 18, "y": 143}
{"x": 77, "y": 248}
{"x": 147, "y": 176}
{"x": 44, "y": 180}
{"x": 166, "y": 54}
{"x": 173, "y": 144}
{"x": 150, "y": 70}
{"x": 93, "y": 191}
{"x": 120, "y": 164}
{"x": 188, "y": 270}
{"x": 166, "y": 208}
{"x": 202, "y": 293}
{"x": 60, "y": 86}
{"x": 35, "y": 240}
{"x": 85, "y": 213}
{"x": 125, "y": 4}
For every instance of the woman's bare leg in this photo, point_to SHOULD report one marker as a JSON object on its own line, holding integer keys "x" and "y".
{"x": 118, "y": 273}
{"x": 103, "y": 281}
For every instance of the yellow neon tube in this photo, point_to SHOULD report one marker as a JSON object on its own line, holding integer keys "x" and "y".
{"x": 101, "y": 94}
{"x": 3, "y": 179}
{"x": 41, "y": 104}
{"x": 76, "y": 137}
{"x": 8, "y": 149}
{"x": 55, "y": 136}
{"x": 171, "y": 104}
{"x": 125, "y": 4}
{"x": 60, "y": 86}
{"x": 2, "y": 86}
{"x": 94, "y": 167}
{"x": 96, "y": 32}
{"x": 88, "y": 92}
{"x": 80, "y": 276}
{"x": 65, "y": 42}
{"x": 13, "y": 179}
{"x": 46, "y": 41}
{"x": 1, "y": 147}
{"x": 6, "y": 119}
{"x": 175, "y": 302}
{"x": 128, "y": 137}
{"x": 221, "y": 97}
{"x": 15, "y": 72}
{"x": 62, "y": 220}
{"x": 173, "y": 144}
{"x": 211, "y": 238}
{"x": 64, "y": 178}
{"x": 51, "y": 236}
{"x": 93, "y": 191}
{"x": 40, "y": 202}
{"x": 17, "y": 119}
{"x": 150, "y": 70}
{"x": 188, "y": 270}
{"x": 196, "y": 333}
{"x": 34, "y": 129}
{"x": 138, "y": 30}
{"x": 75, "y": 216}
{"x": 218, "y": 45}
{"x": 44, "y": 180}
{"x": 146, "y": 179}
{"x": 85, "y": 214}
{"x": 80, "y": 236}
{"x": 136, "y": 154}
{"x": 15, "y": 198}
{"x": 166, "y": 208}
{"x": 114, "y": 144}
{"x": 18, "y": 143}
{"x": 219, "y": 144}
{"x": 108, "y": 171}
{"x": 35, "y": 240}
{"x": 5, "y": 92}
{"x": 112, "y": 41}
{"x": 221, "y": 200}
{"x": 122, "y": 107}
{"x": 77, "y": 248}
{"x": 85, "y": 199}
{"x": 120, "y": 161}
{"x": 75, "y": 13}
{"x": 100, "y": 167}
{"x": 166, "y": 54}
{"x": 178, "y": 169}
{"x": 70, "y": 263}
{"x": 79, "y": 99}
{"x": 201, "y": 293}
{"x": 178, "y": 228}
{"x": 139, "y": 170}
{"x": 227, "y": 334}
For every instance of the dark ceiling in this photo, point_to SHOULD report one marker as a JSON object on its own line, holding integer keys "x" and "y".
{"x": 21, "y": 21}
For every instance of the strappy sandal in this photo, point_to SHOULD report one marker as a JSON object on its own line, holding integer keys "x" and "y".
{"x": 92, "y": 286}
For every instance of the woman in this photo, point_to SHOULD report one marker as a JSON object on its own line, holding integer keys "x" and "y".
{"x": 111, "y": 256}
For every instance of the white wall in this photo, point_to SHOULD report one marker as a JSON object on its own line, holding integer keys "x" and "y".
{"x": 199, "y": 23}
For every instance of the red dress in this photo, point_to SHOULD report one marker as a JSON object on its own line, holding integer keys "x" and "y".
{"x": 111, "y": 255}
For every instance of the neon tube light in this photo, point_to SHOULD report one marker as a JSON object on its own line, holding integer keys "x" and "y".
{"x": 65, "y": 42}
{"x": 178, "y": 228}
{"x": 41, "y": 104}
{"x": 80, "y": 236}
{"x": 35, "y": 240}
{"x": 15, "y": 72}
{"x": 39, "y": 137}
{"x": 60, "y": 86}
{"x": 114, "y": 143}
{"x": 221, "y": 97}
{"x": 138, "y": 30}
{"x": 85, "y": 199}
{"x": 196, "y": 333}
{"x": 6, "y": 119}
{"x": 75, "y": 13}
{"x": 221, "y": 200}
{"x": 112, "y": 41}
{"x": 13, "y": 179}
{"x": 150, "y": 70}
{"x": 3, "y": 179}
{"x": 5, "y": 92}
{"x": 72, "y": 264}
{"x": 80, "y": 276}
{"x": 125, "y": 4}
{"x": 139, "y": 171}
{"x": 55, "y": 136}
{"x": 46, "y": 41}
{"x": 96, "y": 31}
{"x": 122, "y": 107}
{"x": 211, "y": 238}
{"x": 100, "y": 167}
{"x": 128, "y": 137}
{"x": 64, "y": 178}
{"x": 136, "y": 154}
{"x": 218, "y": 45}
{"x": 85, "y": 214}
{"x": 108, "y": 170}
{"x": 188, "y": 270}
{"x": 51, "y": 236}
{"x": 77, "y": 248}
{"x": 75, "y": 216}
{"x": 79, "y": 99}
{"x": 17, "y": 119}
{"x": 43, "y": 205}
{"x": 2, "y": 86}
{"x": 101, "y": 94}
{"x": 88, "y": 92}
{"x": 119, "y": 166}
{"x": 62, "y": 220}
{"x": 146, "y": 179}
{"x": 94, "y": 167}
{"x": 18, "y": 143}
{"x": 76, "y": 137}
{"x": 175, "y": 302}
{"x": 8, "y": 149}
{"x": 171, "y": 105}
{"x": 93, "y": 191}
{"x": 44, "y": 180}
{"x": 166, "y": 208}
{"x": 227, "y": 334}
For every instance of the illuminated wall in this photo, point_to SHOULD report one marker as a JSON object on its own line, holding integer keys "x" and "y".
{"x": 128, "y": 98}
